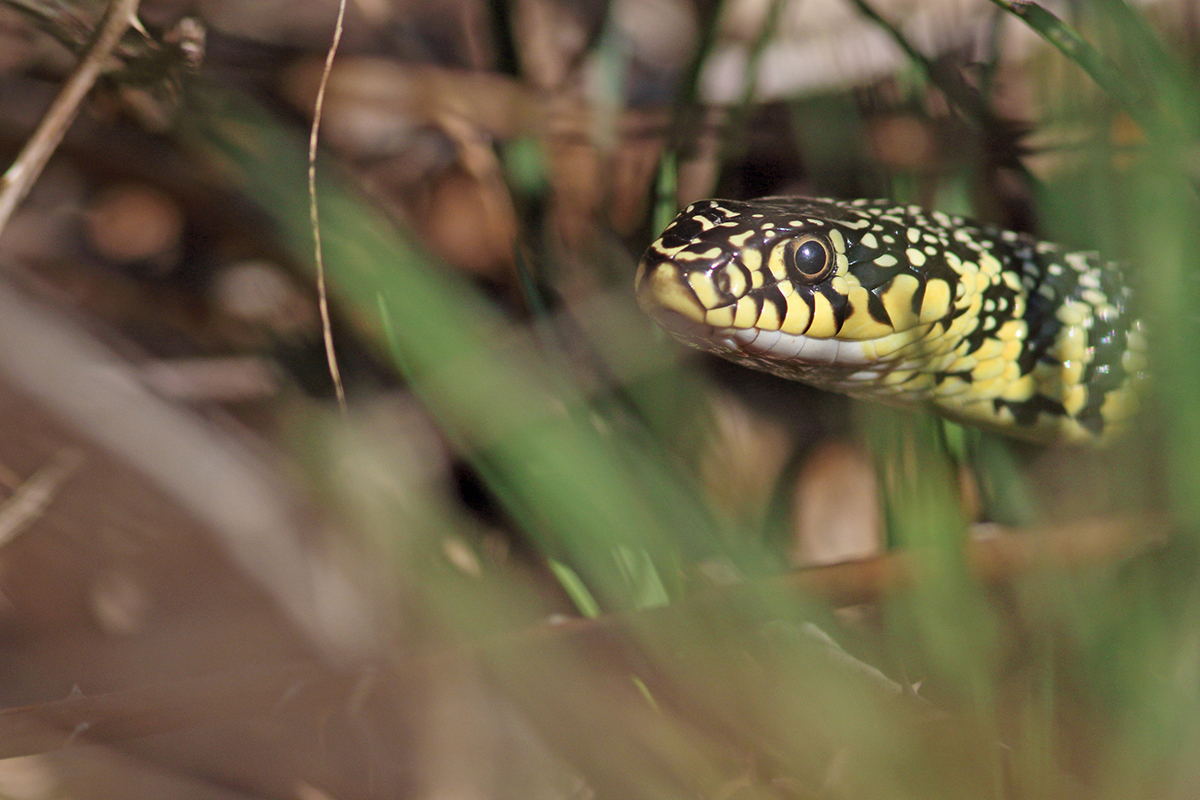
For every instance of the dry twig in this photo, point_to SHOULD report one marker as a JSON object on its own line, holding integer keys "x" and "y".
{"x": 20, "y": 177}
{"x": 31, "y": 499}
{"x": 322, "y": 290}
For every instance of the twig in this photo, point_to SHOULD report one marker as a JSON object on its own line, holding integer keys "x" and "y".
{"x": 994, "y": 555}
{"x": 1004, "y": 134}
{"x": 322, "y": 292}
{"x": 32, "y": 497}
{"x": 20, "y": 177}
{"x": 69, "y": 24}
{"x": 170, "y": 706}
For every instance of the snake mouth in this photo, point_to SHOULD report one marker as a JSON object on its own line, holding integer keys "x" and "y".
{"x": 800, "y": 350}
{"x": 673, "y": 305}
{"x": 781, "y": 353}
{"x": 661, "y": 291}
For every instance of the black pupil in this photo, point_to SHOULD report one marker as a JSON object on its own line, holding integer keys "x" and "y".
{"x": 810, "y": 258}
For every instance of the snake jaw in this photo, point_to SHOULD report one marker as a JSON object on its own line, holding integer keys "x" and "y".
{"x": 669, "y": 302}
{"x": 661, "y": 288}
{"x": 665, "y": 295}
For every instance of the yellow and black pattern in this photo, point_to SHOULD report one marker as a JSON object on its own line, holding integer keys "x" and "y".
{"x": 899, "y": 304}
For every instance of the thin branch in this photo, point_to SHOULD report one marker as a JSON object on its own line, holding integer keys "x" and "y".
{"x": 958, "y": 91}
{"x": 69, "y": 24}
{"x": 995, "y": 556}
{"x": 170, "y": 706}
{"x": 31, "y": 499}
{"x": 1003, "y": 136}
{"x": 20, "y": 177}
{"x": 322, "y": 291}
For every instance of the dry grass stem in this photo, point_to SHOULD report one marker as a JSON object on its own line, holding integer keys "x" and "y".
{"x": 20, "y": 177}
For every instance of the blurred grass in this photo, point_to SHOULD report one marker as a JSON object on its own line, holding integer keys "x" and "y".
{"x": 1063, "y": 685}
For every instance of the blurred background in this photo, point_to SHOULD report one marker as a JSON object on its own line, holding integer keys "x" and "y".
{"x": 543, "y": 551}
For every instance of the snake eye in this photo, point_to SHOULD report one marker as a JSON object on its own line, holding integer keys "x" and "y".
{"x": 807, "y": 260}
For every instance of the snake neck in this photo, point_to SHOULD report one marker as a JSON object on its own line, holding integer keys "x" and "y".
{"x": 1052, "y": 352}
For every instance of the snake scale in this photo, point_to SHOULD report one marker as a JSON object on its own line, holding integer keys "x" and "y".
{"x": 905, "y": 306}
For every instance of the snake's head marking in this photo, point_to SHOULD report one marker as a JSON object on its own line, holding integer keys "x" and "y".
{"x": 789, "y": 283}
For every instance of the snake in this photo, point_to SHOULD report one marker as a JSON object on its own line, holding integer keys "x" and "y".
{"x": 898, "y": 304}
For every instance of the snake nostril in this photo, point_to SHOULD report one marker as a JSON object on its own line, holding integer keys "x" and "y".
{"x": 724, "y": 282}
{"x": 730, "y": 280}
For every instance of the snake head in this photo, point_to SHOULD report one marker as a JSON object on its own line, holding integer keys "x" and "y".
{"x": 792, "y": 283}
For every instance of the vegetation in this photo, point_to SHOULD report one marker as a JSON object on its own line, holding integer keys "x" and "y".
{"x": 1056, "y": 654}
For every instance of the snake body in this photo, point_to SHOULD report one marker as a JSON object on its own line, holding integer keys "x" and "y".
{"x": 906, "y": 306}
